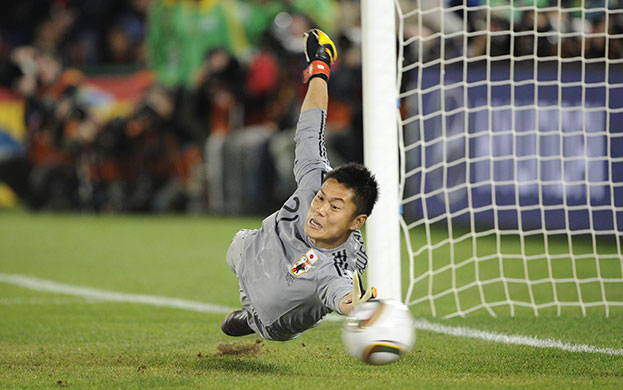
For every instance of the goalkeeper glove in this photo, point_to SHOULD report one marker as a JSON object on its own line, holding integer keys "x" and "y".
{"x": 360, "y": 297}
{"x": 320, "y": 52}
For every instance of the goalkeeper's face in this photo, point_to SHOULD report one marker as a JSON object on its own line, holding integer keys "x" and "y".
{"x": 332, "y": 215}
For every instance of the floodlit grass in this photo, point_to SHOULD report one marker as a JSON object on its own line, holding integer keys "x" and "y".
{"x": 510, "y": 272}
{"x": 53, "y": 340}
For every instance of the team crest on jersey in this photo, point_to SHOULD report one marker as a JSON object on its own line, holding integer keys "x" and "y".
{"x": 304, "y": 264}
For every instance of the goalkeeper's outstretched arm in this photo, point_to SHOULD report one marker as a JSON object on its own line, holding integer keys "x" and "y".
{"x": 317, "y": 95}
{"x": 310, "y": 156}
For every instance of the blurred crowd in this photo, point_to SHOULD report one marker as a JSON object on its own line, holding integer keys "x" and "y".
{"x": 79, "y": 32}
{"x": 518, "y": 28}
{"x": 217, "y": 138}
{"x": 213, "y": 129}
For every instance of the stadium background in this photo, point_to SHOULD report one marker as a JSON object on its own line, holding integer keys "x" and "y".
{"x": 189, "y": 106}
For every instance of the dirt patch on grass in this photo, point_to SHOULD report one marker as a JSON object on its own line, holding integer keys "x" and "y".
{"x": 240, "y": 349}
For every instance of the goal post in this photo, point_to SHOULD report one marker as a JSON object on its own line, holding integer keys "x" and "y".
{"x": 502, "y": 166}
{"x": 380, "y": 96}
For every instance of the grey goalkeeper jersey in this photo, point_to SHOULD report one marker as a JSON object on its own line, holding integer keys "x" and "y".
{"x": 292, "y": 284}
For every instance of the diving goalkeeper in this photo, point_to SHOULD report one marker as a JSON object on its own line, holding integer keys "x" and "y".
{"x": 305, "y": 260}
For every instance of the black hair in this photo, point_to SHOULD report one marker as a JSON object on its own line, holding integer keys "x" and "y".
{"x": 358, "y": 178}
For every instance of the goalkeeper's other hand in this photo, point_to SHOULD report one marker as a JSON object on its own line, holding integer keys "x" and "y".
{"x": 320, "y": 52}
{"x": 359, "y": 295}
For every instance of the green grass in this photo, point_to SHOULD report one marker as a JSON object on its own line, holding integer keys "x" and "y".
{"x": 50, "y": 340}
{"x": 555, "y": 283}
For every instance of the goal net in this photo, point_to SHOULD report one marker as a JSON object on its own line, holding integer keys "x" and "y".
{"x": 511, "y": 155}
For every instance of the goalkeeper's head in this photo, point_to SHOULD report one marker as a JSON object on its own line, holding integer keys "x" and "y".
{"x": 342, "y": 205}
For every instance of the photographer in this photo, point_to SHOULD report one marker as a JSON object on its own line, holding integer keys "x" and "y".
{"x": 57, "y": 123}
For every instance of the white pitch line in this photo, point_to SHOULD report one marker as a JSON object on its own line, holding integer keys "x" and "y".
{"x": 47, "y": 301}
{"x": 38, "y": 284}
{"x": 460, "y": 331}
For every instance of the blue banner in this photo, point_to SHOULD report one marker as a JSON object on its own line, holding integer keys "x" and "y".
{"x": 541, "y": 143}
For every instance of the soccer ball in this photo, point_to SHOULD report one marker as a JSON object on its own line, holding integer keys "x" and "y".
{"x": 379, "y": 331}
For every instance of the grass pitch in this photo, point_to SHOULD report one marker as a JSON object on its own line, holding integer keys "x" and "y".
{"x": 49, "y": 339}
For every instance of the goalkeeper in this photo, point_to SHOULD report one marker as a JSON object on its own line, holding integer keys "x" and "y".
{"x": 305, "y": 260}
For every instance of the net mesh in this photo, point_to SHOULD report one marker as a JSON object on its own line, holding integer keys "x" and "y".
{"x": 511, "y": 120}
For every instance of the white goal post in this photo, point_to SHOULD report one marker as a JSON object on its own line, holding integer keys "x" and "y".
{"x": 380, "y": 95}
{"x": 501, "y": 166}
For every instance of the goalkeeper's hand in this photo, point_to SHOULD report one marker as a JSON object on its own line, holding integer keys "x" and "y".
{"x": 359, "y": 295}
{"x": 320, "y": 52}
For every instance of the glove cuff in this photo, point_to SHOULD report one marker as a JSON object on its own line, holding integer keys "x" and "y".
{"x": 316, "y": 68}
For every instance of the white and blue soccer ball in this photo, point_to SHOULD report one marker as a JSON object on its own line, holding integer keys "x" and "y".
{"x": 379, "y": 331}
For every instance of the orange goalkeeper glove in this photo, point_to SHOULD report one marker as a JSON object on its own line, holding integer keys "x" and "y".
{"x": 320, "y": 52}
